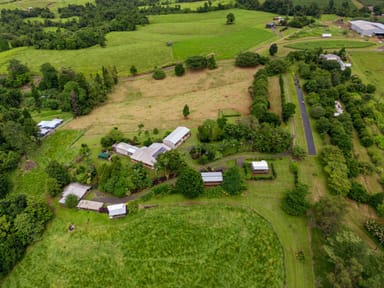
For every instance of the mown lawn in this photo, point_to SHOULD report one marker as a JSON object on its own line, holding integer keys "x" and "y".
{"x": 199, "y": 246}
{"x": 330, "y": 44}
{"x": 191, "y": 34}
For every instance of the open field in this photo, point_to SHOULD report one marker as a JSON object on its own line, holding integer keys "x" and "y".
{"x": 199, "y": 246}
{"x": 368, "y": 65}
{"x": 191, "y": 34}
{"x": 330, "y": 44}
{"x": 52, "y": 5}
{"x": 159, "y": 104}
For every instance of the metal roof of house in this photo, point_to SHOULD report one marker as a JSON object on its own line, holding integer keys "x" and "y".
{"x": 177, "y": 134}
{"x": 209, "y": 177}
{"x": 126, "y": 147}
{"x": 259, "y": 165}
{"x": 90, "y": 205}
{"x": 366, "y": 25}
{"x": 76, "y": 189}
{"x": 52, "y": 124}
{"x": 117, "y": 209}
{"x": 148, "y": 155}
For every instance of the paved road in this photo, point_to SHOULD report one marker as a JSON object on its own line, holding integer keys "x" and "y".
{"x": 304, "y": 116}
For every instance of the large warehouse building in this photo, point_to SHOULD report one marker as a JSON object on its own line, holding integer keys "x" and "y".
{"x": 366, "y": 28}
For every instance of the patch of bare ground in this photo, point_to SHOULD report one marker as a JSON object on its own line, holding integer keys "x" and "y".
{"x": 159, "y": 104}
{"x": 29, "y": 165}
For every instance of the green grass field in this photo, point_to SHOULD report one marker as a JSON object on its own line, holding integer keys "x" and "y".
{"x": 330, "y": 44}
{"x": 369, "y": 67}
{"x": 145, "y": 48}
{"x": 200, "y": 246}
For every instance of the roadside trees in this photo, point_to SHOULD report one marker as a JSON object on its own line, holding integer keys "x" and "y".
{"x": 273, "y": 49}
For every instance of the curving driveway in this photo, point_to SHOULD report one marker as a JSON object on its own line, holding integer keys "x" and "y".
{"x": 304, "y": 116}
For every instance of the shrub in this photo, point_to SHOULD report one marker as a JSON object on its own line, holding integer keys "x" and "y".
{"x": 133, "y": 207}
{"x": 179, "y": 69}
{"x": 211, "y": 62}
{"x": 196, "y": 63}
{"x": 158, "y": 74}
{"x": 247, "y": 59}
{"x": 71, "y": 201}
{"x": 358, "y": 193}
{"x": 376, "y": 230}
{"x": 233, "y": 182}
{"x": 53, "y": 187}
{"x": 294, "y": 202}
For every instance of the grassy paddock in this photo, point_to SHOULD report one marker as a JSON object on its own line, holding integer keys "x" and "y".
{"x": 191, "y": 34}
{"x": 200, "y": 246}
{"x": 330, "y": 44}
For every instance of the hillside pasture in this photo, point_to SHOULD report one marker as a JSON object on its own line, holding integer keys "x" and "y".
{"x": 330, "y": 44}
{"x": 159, "y": 104}
{"x": 321, "y": 3}
{"x": 196, "y": 246}
{"x": 191, "y": 34}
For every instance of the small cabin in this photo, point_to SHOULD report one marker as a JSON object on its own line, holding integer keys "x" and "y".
{"x": 259, "y": 167}
{"x": 212, "y": 178}
{"x": 117, "y": 210}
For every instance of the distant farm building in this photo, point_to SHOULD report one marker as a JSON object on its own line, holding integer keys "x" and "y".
{"x": 47, "y": 126}
{"x": 333, "y": 57}
{"x": 212, "y": 178}
{"x": 270, "y": 25}
{"x": 117, "y": 210}
{"x": 124, "y": 149}
{"x": 366, "y": 28}
{"x": 147, "y": 155}
{"x": 326, "y": 35}
{"x": 90, "y": 205}
{"x": 76, "y": 189}
{"x": 177, "y": 137}
{"x": 259, "y": 167}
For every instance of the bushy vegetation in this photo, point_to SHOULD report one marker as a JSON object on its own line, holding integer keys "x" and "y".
{"x": 22, "y": 222}
{"x": 189, "y": 183}
{"x": 158, "y": 74}
{"x": 294, "y": 202}
{"x": 249, "y": 59}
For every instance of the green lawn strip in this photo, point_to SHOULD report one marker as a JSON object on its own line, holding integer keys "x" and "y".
{"x": 204, "y": 246}
{"x": 291, "y": 96}
{"x": 54, "y": 147}
{"x": 330, "y": 44}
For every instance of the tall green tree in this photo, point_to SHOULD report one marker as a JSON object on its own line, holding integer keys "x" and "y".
{"x": 186, "y": 111}
{"x": 50, "y": 77}
{"x": 273, "y": 49}
{"x": 189, "y": 183}
{"x": 233, "y": 183}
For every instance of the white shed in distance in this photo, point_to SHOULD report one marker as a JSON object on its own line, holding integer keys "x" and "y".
{"x": 259, "y": 167}
{"x": 177, "y": 137}
{"x": 326, "y": 35}
{"x": 117, "y": 210}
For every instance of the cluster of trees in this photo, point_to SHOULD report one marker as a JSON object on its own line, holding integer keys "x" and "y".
{"x": 250, "y": 59}
{"x": 93, "y": 21}
{"x": 120, "y": 179}
{"x": 201, "y": 62}
{"x": 221, "y": 139}
{"x": 349, "y": 261}
{"x": 287, "y": 7}
{"x": 22, "y": 222}
{"x": 288, "y": 109}
{"x": 260, "y": 94}
{"x": 71, "y": 91}
{"x": 190, "y": 183}
{"x": 376, "y": 230}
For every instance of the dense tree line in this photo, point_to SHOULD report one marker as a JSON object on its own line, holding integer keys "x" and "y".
{"x": 22, "y": 222}
{"x": 93, "y": 22}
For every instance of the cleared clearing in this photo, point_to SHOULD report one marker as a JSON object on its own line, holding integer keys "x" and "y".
{"x": 159, "y": 104}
